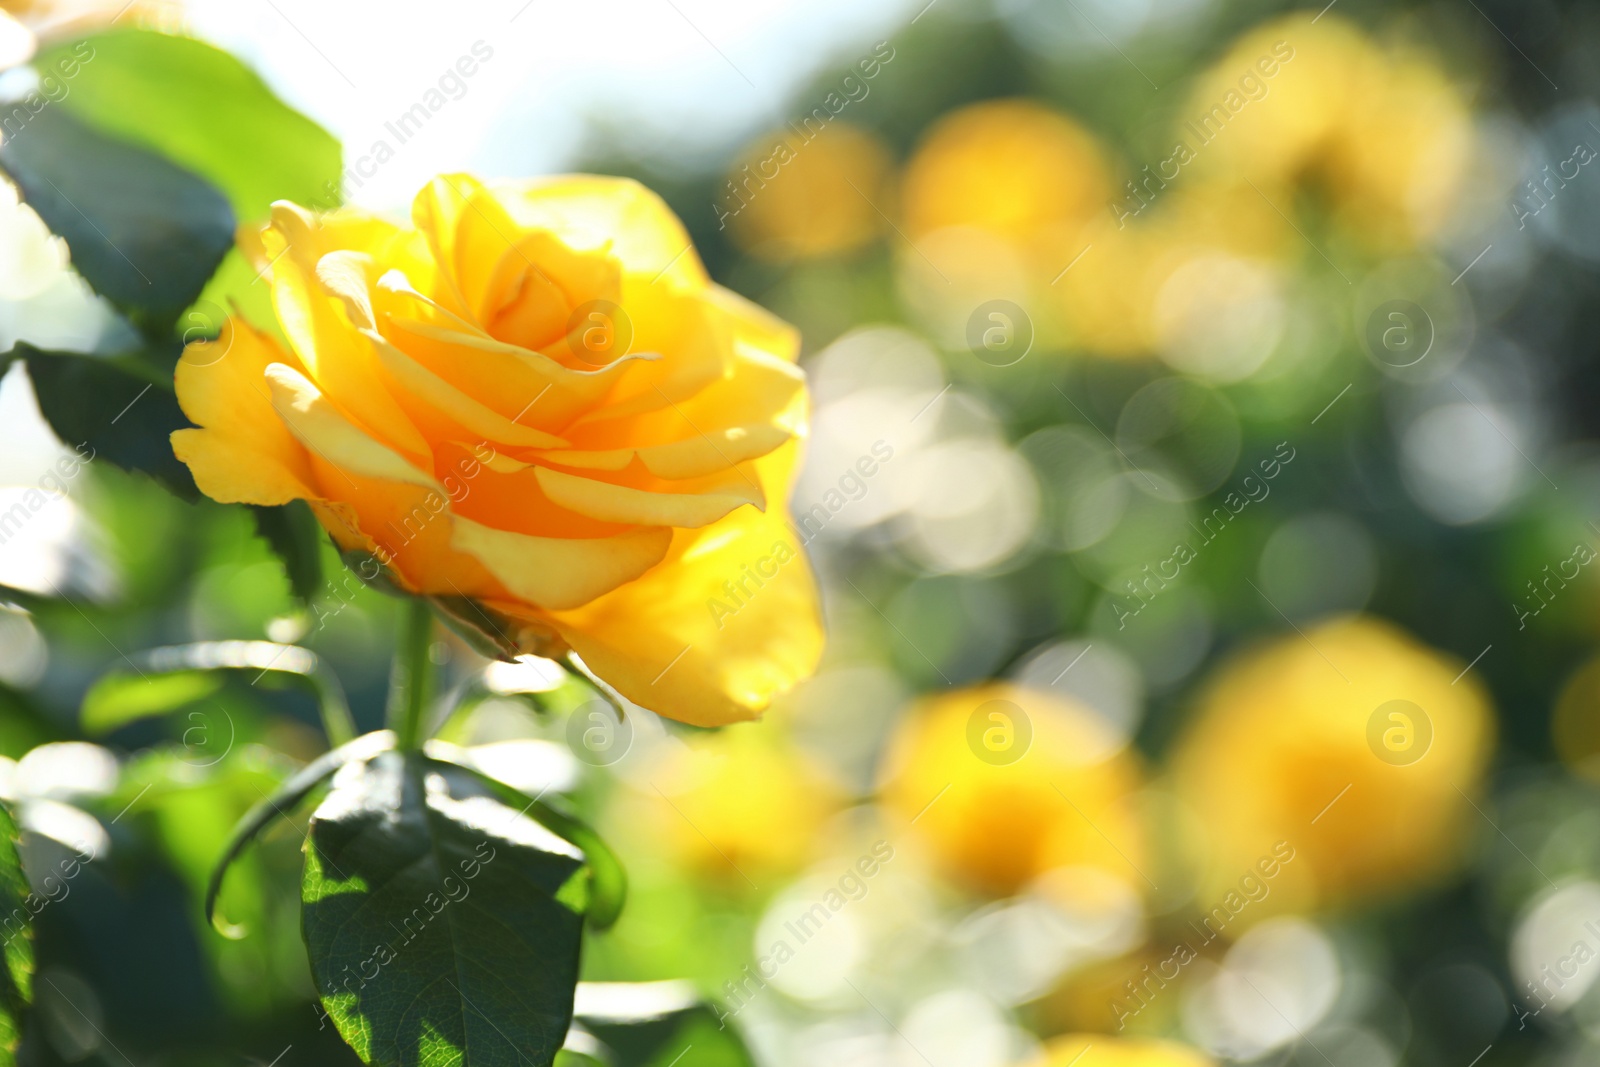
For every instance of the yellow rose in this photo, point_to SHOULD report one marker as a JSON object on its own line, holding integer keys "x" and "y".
{"x": 789, "y": 198}
{"x": 534, "y": 399}
{"x": 997, "y": 200}
{"x": 1013, "y": 167}
{"x": 1003, "y": 783}
{"x": 1354, "y": 745}
{"x": 1099, "y": 1050}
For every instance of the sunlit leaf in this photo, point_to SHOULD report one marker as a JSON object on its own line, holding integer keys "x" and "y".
{"x": 16, "y": 935}
{"x": 118, "y": 699}
{"x": 608, "y": 879}
{"x": 208, "y": 112}
{"x": 654, "y": 1024}
{"x": 444, "y": 926}
{"x": 164, "y": 680}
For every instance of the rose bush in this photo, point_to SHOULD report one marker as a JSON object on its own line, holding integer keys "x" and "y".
{"x": 533, "y": 404}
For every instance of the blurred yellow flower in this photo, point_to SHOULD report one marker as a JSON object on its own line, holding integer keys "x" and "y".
{"x": 1292, "y": 102}
{"x": 1111, "y": 306}
{"x": 788, "y": 198}
{"x": 532, "y": 397}
{"x": 1354, "y": 744}
{"x": 1098, "y": 1050}
{"x": 733, "y": 805}
{"x": 1002, "y": 783}
{"x": 1013, "y": 167}
{"x": 995, "y": 202}
{"x": 1399, "y": 162}
{"x": 1383, "y": 128}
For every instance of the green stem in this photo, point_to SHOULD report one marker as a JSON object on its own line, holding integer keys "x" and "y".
{"x": 411, "y": 682}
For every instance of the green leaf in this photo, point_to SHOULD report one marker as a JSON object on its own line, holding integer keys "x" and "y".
{"x": 23, "y": 723}
{"x": 120, "y": 698}
{"x": 114, "y": 408}
{"x": 203, "y": 109}
{"x": 444, "y": 926}
{"x": 296, "y": 536}
{"x": 167, "y": 679}
{"x": 283, "y": 801}
{"x": 145, "y": 233}
{"x": 652, "y": 1024}
{"x": 608, "y": 888}
{"x": 16, "y": 930}
{"x": 206, "y": 111}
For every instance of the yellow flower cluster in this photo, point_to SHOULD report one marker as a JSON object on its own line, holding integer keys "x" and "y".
{"x": 1319, "y": 771}
{"x": 1350, "y": 754}
{"x": 1011, "y": 199}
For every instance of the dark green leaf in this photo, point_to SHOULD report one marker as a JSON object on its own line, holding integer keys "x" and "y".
{"x": 296, "y": 536}
{"x": 145, "y": 233}
{"x": 281, "y": 803}
{"x": 206, "y": 111}
{"x": 652, "y": 1024}
{"x": 609, "y": 880}
{"x": 23, "y": 723}
{"x": 16, "y": 930}
{"x": 114, "y": 408}
{"x": 443, "y": 926}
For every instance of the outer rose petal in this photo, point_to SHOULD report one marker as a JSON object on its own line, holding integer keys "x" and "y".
{"x": 677, "y": 642}
{"x": 755, "y": 326}
{"x": 243, "y": 453}
{"x": 408, "y": 526}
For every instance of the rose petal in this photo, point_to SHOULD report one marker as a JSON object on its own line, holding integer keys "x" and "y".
{"x": 728, "y": 621}
{"x": 242, "y": 453}
{"x": 616, "y": 214}
{"x": 620, "y": 503}
{"x": 335, "y": 357}
{"x": 561, "y": 572}
{"x": 321, "y": 427}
